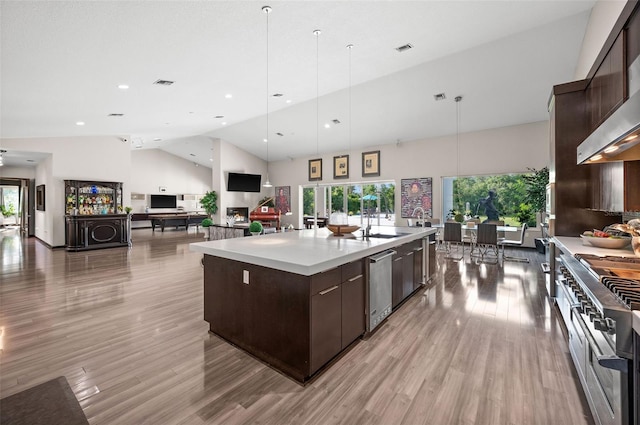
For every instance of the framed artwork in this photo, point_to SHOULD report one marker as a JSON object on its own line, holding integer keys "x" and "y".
{"x": 315, "y": 169}
{"x": 341, "y": 167}
{"x": 370, "y": 164}
{"x": 416, "y": 193}
{"x": 40, "y": 197}
{"x": 283, "y": 199}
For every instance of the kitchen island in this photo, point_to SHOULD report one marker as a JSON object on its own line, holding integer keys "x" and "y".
{"x": 296, "y": 299}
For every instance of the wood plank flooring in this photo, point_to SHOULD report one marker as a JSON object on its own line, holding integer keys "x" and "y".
{"x": 482, "y": 344}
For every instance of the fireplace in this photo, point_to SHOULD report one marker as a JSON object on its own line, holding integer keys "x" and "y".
{"x": 240, "y": 214}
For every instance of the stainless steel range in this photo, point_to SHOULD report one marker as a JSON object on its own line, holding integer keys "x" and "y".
{"x": 595, "y": 296}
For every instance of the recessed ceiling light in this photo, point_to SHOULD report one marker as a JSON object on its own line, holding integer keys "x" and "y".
{"x": 327, "y": 125}
{"x": 219, "y": 116}
{"x": 288, "y": 101}
{"x": 123, "y": 86}
{"x": 211, "y": 159}
{"x": 223, "y": 123}
{"x": 631, "y": 137}
{"x": 404, "y": 48}
{"x": 80, "y": 123}
{"x": 265, "y": 140}
{"x": 228, "y": 96}
{"x": 611, "y": 149}
{"x": 163, "y": 82}
{"x": 439, "y": 96}
{"x": 597, "y": 157}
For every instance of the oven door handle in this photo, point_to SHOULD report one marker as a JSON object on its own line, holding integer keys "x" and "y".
{"x": 608, "y": 361}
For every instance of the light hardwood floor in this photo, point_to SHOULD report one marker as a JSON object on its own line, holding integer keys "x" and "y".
{"x": 481, "y": 344}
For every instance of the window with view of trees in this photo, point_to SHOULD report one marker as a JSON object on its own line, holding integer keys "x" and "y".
{"x": 375, "y": 202}
{"x": 517, "y": 196}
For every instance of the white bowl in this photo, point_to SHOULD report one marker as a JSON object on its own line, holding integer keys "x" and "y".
{"x": 612, "y": 243}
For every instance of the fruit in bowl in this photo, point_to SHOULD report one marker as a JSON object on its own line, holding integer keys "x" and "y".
{"x": 601, "y": 239}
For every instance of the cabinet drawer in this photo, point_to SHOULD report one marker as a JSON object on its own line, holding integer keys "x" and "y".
{"x": 351, "y": 270}
{"x": 325, "y": 280}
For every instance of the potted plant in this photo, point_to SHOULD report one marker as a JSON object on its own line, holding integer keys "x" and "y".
{"x": 128, "y": 210}
{"x": 206, "y": 223}
{"x": 255, "y": 228}
{"x": 536, "y": 187}
{"x": 210, "y": 203}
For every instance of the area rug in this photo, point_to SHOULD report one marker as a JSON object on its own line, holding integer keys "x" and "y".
{"x": 50, "y": 403}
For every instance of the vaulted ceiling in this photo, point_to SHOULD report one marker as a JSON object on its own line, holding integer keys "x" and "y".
{"x": 62, "y": 63}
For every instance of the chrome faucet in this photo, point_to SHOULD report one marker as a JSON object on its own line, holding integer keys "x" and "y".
{"x": 367, "y": 230}
{"x": 423, "y": 214}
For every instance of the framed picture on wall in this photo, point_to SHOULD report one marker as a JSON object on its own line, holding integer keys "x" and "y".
{"x": 370, "y": 164}
{"x": 315, "y": 169}
{"x": 416, "y": 193}
{"x": 40, "y": 197}
{"x": 341, "y": 167}
{"x": 283, "y": 199}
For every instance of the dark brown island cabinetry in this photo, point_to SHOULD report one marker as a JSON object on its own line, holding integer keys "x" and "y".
{"x": 293, "y": 322}
{"x": 94, "y": 217}
{"x": 406, "y": 271}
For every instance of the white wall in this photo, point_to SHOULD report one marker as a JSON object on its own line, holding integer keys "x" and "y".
{"x": 153, "y": 168}
{"x": 73, "y": 158}
{"x": 229, "y": 158}
{"x": 18, "y": 172}
{"x": 602, "y": 19}
{"x": 502, "y": 150}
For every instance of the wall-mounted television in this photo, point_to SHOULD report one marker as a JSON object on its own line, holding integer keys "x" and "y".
{"x": 163, "y": 201}
{"x": 240, "y": 182}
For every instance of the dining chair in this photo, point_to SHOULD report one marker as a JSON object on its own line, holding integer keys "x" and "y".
{"x": 453, "y": 239}
{"x": 498, "y": 223}
{"x": 469, "y": 235}
{"x": 513, "y": 243}
{"x": 486, "y": 245}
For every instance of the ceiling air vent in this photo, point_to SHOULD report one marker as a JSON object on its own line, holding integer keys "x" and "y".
{"x": 116, "y": 115}
{"x": 404, "y": 48}
{"x": 336, "y": 121}
{"x": 439, "y": 96}
{"x": 164, "y": 82}
{"x": 280, "y": 134}
{"x": 219, "y": 116}
{"x": 278, "y": 95}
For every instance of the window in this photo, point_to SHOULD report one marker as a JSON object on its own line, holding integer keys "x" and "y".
{"x": 471, "y": 197}
{"x": 352, "y": 204}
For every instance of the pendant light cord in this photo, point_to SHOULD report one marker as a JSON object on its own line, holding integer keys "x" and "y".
{"x": 317, "y": 34}
{"x": 267, "y": 11}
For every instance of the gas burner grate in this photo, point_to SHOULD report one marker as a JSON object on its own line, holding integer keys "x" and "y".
{"x": 627, "y": 290}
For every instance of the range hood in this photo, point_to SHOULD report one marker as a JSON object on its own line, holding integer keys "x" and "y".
{"x": 616, "y": 139}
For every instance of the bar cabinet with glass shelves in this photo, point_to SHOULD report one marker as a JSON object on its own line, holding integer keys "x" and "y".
{"x": 94, "y": 217}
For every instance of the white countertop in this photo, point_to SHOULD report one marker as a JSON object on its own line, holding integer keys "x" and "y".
{"x": 307, "y": 252}
{"x": 575, "y": 246}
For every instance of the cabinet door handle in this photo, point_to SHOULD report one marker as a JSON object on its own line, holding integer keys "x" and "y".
{"x": 398, "y": 259}
{"x": 355, "y": 278}
{"x": 417, "y": 249}
{"x": 326, "y": 291}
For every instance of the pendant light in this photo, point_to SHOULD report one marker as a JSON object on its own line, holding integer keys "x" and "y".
{"x": 267, "y": 11}
{"x": 315, "y": 191}
{"x": 457, "y": 99}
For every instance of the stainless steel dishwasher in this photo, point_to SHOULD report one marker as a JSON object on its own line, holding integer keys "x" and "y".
{"x": 379, "y": 288}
